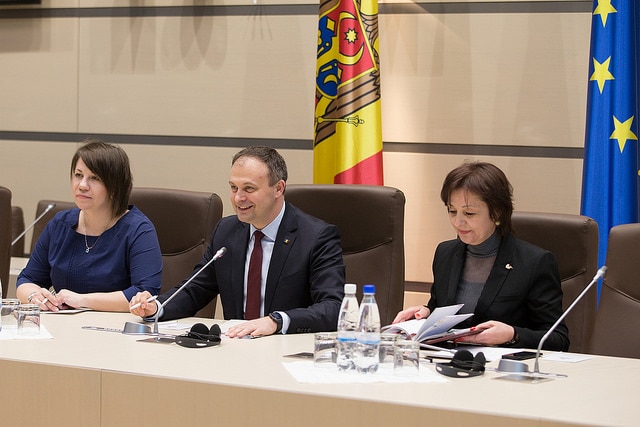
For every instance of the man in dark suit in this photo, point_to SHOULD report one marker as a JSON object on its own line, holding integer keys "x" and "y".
{"x": 303, "y": 274}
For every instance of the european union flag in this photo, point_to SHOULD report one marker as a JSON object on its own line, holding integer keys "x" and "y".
{"x": 610, "y": 177}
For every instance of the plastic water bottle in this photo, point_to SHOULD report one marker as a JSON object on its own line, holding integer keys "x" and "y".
{"x": 347, "y": 329}
{"x": 367, "y": 357}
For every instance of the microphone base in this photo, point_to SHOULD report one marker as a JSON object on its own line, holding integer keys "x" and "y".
{"x": 519, "y": 371}
{"x": 160, "y": 339}
{"x": 528, "y": 378}
{"x": 131, "y": 328}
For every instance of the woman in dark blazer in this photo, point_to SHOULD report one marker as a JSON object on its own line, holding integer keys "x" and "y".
{"x": 511, "y": 286}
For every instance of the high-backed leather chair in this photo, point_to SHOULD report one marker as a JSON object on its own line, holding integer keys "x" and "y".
{"x": 573, "y": 239}
{"x": 370, "y": 220}
{"x": 5, "y": 237}
{"x": 17, "y": 227}
{"x": 38, "y": 228}
{"x": 617, "y": 328}
{"x": 184, "y": 221}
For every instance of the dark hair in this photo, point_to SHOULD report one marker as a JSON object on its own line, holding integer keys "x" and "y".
{"x": 111, "y": 164}
{"x": 270, "y": 157}
{"x": 489, "y": 183}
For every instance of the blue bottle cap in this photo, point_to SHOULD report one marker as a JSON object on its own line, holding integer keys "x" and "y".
{"x": 369, "y": 289}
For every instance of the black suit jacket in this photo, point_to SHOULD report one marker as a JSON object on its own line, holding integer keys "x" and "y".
{"x": 305, "y": 280}
{"x": 523, "y": 290}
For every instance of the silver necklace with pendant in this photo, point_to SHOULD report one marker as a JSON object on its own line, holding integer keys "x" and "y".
{"x": 86, "y": 243}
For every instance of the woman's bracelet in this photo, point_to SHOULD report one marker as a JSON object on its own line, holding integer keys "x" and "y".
{"x": 515, "y": 340}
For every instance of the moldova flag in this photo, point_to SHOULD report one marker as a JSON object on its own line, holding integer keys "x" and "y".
{"x": 347, "y": 147}
{"x": 610, "y": 179}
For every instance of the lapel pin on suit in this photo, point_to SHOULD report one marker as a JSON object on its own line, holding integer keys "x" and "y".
{"x": 286, "y": 241}
{"x": 508, "y": 267}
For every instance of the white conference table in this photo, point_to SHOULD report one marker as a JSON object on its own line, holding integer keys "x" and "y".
{"x": 97, "y": 378}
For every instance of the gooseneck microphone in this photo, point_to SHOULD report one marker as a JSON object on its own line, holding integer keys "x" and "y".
{"x": 599, "y": 274}
{"x": 217, "y": 256}
{"x": 521, "y": 369}
{"x": 48, "y": 208}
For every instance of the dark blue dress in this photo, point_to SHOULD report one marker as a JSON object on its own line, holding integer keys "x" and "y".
{"x": 125, "y": 258}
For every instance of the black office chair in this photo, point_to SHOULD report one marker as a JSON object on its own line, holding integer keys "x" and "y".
{"x": 38, "y": 228}
{"x": 5, "y": 237}
{"x": 184, "y": 221}
{"x": 17, "y": 227}
{"x": 573, "y": 239}
{"x": 617, "y": 327}
{"x": 370, "y": 220}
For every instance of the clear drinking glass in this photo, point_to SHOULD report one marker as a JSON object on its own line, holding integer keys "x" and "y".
{"x": 28, "y": 319}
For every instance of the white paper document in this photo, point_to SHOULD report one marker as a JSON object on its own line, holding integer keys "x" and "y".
{"x": 11, "y": 333}
{"x": 438, "y": 323}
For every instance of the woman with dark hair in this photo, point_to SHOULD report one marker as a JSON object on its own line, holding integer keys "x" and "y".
{"x": 100, "y": 254}
{"x": 512, "y": 287}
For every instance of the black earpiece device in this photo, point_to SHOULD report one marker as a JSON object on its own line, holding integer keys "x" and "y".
{"x": 200, "y": 336}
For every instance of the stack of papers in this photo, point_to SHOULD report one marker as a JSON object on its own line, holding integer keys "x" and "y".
{"x": 435, "y": 328}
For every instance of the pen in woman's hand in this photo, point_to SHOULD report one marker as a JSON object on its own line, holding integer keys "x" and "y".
{"x": 53, "y": 292}
{"x": 138, "y": 304}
